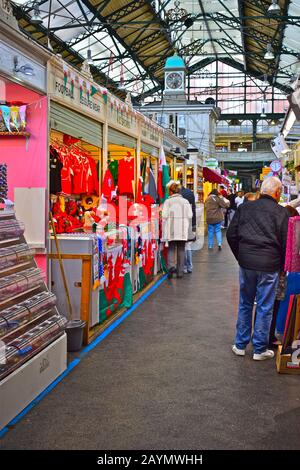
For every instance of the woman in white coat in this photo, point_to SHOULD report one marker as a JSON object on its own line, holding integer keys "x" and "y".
{"x": 176, "y": 217}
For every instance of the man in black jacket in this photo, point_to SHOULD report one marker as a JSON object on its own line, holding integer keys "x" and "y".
{"x": 231, "y": 209}
{"x": 189, "y": 196}
{"x": 257, "y": 237}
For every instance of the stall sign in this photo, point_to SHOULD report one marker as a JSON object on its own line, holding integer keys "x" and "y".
{"x": 211, "y": 163}
{"x": 122, "y": 114}
{"x": 150, "y": 133}
{"x": 75, "y": 90}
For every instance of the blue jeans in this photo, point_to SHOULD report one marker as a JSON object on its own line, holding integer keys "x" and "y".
{"x": 214, "y": 229}
{"x": 188, "y": 260}
{"x": 262, "y": 286}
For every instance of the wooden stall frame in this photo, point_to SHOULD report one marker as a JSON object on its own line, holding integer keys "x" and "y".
{"x": 85, "y": 288}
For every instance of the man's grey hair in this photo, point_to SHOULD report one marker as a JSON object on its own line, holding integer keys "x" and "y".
{"x": 271, "y": 185}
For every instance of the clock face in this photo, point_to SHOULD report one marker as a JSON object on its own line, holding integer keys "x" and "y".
{"x": 276, "y": 166}
{"x": 174, "y": 80}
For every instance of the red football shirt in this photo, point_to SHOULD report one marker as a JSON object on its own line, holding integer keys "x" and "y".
{"x": 126, "y": 176}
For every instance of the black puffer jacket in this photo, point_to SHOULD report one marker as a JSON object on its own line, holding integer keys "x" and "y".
{"x": 257, "y": 235}
{"x": 189, "y": 196}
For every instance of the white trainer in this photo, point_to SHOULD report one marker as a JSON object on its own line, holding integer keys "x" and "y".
{"x": 238, "y": 352}
{"x": 268, "y": 354}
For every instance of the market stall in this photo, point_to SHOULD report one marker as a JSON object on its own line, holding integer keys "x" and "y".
{"x": 105, "y": 216}
{"x": 212, "y": 179}
{"x": 77, "y": 113}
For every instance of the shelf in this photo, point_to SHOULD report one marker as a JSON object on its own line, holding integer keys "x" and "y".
{"x": 24, "y": 265}
{"x": 23, "y": 327}
{"x": 14, "y": 134}
{"x": 9, "y": 240}
{"x": 17, "y": 296}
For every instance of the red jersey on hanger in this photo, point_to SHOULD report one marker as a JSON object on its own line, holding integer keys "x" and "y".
{"x": 82, "y": 173}
{"x": 93, "y": 181}
{"x": 66, "y": 172}
{"x": 126, "y": 176}
{"x": 108, "y": 185}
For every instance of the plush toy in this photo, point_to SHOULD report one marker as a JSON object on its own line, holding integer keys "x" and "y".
{"x": 64, "y": 216}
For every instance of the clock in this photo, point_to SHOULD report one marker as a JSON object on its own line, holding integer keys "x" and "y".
{"x": 174, "y": 80}
{"x": 276, "y": 166}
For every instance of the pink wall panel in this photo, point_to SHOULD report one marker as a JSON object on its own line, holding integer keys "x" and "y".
{"x": 27, "y": 164}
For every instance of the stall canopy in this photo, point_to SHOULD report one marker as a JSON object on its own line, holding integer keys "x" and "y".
{"x": 214, "y": 177}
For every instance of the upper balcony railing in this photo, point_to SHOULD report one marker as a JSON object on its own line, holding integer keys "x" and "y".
{"x": 245, "y": 130}
{"x": 254, "y": 156}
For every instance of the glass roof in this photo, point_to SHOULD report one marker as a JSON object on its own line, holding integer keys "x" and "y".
{"x": 65, "y": 14}
{"x": 218, "y": 31}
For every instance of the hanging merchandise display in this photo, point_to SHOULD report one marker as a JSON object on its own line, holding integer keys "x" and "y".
{"x": 13, "y": 118}
{"x": 116, "y": 290}
{"x": 74, "y": 183}
{"x": 292, "y": 258}
{"x": 114, "y": 170}
{"x": 126, "y": 175}
{"x": 56, "y": 167}
{"x": 77, "y": 170}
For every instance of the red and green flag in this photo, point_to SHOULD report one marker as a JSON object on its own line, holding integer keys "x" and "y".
{"x": 163, "y": 176}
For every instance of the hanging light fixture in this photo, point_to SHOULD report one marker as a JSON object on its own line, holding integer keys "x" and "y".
{"x": 264, "y": 107}
{"x": 89, "y": 57}
{"x": 263, "y": 114}
{"x": 89, "y": 52}
{"x": 26, "y": 69}
{"x": 265, "y": 82}
{"x": 274, "y": 8}
{"x": 36, "y": 18}
{"x": 269, "y": 55}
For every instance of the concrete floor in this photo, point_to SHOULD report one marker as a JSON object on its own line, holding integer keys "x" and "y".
{"x": 166, "y": 379}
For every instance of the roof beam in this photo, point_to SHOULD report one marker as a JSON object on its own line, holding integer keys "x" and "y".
{"x": 109, "y": 21}
{"x": 61, "y": 47}
{"x": 254, "y": 73}
{"x": 281, "y": 48}
{"x": 208, "y": 28}
{"x": 256, "y": 34}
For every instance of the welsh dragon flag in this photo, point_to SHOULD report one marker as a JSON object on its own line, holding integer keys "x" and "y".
{"x": 163, "y": 176}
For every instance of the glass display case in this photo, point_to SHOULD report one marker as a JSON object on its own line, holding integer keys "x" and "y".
{"x": 29, "y": 320}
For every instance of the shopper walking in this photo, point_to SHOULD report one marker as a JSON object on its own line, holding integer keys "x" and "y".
{"x": 239, "y": 199}
{"x": 176, "y": 214}
{"x": 188, "y": 258}
{"x": 232, "y": 208}
{"x": 257, "y": 237}
{"x": 214, "y": 217}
